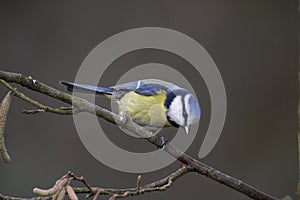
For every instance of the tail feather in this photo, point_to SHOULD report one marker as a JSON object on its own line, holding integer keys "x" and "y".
{"x": 90, "y": 88}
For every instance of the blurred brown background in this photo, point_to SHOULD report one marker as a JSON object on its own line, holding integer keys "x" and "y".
{"x": 254, "y": 44}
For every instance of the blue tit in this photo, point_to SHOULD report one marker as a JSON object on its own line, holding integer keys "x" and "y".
{"x": 150, "y": 102}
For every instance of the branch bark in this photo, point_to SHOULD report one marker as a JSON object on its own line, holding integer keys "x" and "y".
{"x": 83, "y": 105}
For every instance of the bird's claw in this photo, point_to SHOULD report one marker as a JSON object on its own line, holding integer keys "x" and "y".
{"x": 164, "y": 143}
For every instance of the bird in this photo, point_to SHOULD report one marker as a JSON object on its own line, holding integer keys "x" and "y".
{"x": 150, "y": 102}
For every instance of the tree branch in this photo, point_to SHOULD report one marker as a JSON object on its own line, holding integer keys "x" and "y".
{"x": 84, "y": 105}
{"x": 4, "y": 197}
{"x": 159, "y": 185}
{"x": 4, "y": 108}
{"x": 64, "y": 183}
{"x": 42, "y": 108}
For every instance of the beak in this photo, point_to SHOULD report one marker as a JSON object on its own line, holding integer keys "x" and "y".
{"x": 187, "y": 129}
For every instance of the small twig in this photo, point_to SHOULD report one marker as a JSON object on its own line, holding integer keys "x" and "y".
{"x": 42, "y": 108}
{"x": 81, "y": 179}
{"x": 113, "y": 197}
{"x": 171, "y": 178}
{"x": 96, "y": 194}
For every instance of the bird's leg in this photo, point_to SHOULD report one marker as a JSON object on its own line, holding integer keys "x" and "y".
{"x": 164, "y": 142}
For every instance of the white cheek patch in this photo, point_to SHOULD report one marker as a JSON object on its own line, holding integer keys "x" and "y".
{"x": 175, "y": 111}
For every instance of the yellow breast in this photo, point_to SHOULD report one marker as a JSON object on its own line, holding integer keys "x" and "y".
{"x": 145, "y": 110}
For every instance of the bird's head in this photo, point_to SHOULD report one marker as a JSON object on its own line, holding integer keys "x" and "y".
{"x": 183, "y": 108}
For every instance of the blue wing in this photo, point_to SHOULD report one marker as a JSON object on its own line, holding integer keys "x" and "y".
{"x": 148, "y": 90}
{"x": 119, "y": 90}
